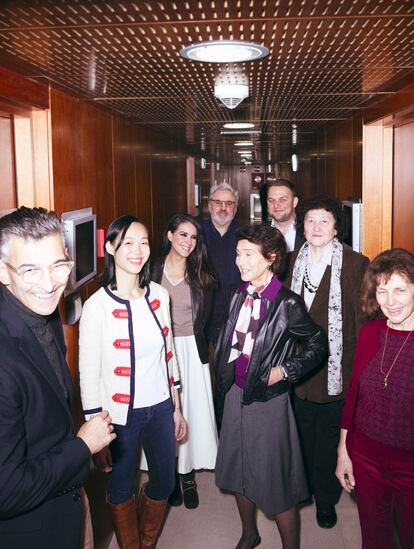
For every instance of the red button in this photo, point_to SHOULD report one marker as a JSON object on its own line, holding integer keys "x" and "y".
{"x": 120, "y": 398}
{"x": 121, "y": 344}
{"x": 120, "y": 313}
{"x": 155, "y": 304}
{"x": 122, "y": 371}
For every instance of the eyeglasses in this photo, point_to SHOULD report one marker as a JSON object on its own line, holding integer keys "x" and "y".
{"x": 225, "y": 203}
{"x": 33, "y": 275}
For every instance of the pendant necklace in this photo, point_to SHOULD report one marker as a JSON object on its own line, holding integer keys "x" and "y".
{"x": 384, "y": 382}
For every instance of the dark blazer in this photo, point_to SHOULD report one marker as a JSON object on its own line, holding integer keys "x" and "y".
{"x": 299, "y": 238}
{"x": 285, "y": 325}
{"x": 315, "y": 387}
{"x": 201, "y": 304}
{"x": 299, "y": 241}
{"x": 42, "y": 462}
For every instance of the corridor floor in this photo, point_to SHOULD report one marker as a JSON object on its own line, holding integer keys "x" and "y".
{"x": 215, "y": 524}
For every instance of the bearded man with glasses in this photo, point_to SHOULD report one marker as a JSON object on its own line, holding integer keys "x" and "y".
{"x": 218, "y": 232}
{"x": 43, "y": 463}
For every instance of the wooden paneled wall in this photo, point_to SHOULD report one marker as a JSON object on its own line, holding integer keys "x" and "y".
{"x": 333, "y": 164}
{"x": 115, "y": 167}
{"x": 403, "y": 192}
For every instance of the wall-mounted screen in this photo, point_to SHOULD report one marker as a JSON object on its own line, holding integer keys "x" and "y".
{"x": 80, "y": 239}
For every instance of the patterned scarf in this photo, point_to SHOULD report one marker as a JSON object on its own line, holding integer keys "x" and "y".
{"x": 247, "y": 323}
{"x": 334, "y": 310}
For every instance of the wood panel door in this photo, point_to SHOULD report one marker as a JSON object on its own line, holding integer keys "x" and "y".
{"x": 403, "y": 192}
{"x": 7, "y": 164}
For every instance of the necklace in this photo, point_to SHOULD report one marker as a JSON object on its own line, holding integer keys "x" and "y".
{"x": 384, "y": 382}
{"x": 309, "y": 285}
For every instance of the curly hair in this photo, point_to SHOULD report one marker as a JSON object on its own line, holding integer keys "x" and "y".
{"x": 381, "y": 268}
{"x": 321, "y": 202}
{"x": 270, "y": 241}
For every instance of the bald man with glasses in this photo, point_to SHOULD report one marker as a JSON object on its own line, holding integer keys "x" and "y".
{"x": 43, "y": 462}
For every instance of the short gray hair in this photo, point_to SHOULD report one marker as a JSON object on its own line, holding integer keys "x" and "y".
{"x": 224, "y": 187}
{"x": 28, "y": 223}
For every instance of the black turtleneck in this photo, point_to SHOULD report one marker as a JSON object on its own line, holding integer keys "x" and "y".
{"x": 43, "y": 331}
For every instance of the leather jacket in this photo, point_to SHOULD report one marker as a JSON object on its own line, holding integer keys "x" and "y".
{"x": 287, "y": 336}
{"x": 201, "y": 303}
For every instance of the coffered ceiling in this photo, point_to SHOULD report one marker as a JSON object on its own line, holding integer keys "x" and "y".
{"x": 328, "y": 59}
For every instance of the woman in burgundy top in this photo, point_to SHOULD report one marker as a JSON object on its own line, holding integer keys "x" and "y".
{"x": 376, "y": 451}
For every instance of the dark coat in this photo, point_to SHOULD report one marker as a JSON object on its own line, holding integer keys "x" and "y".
{"x": 42, "y": 462}
{"x": 221, "y": 251}
{"x": 315, "y": 387}
{"x": 299, "y": 241}
{"x": 201, "y": 304}
{"x": 285, "y": 325}
{"x": 299, "y": 238}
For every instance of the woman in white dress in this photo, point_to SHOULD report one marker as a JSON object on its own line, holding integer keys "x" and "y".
{"x": 183, "y": 269}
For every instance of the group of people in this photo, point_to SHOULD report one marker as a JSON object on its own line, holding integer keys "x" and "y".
{"x": 302, "y": 401}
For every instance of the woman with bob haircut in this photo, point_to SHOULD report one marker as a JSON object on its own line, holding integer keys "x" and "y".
{"x": 183, "y": 269}
{"x": 127, "y": 365}
{"x": 268, "y": 343}
{"x": 328, "y": 275}
{"x": 376, "y": 451}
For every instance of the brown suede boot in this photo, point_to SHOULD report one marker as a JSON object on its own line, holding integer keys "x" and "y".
{"x": 150, "y": 517}
{"x": 124, "y": 517}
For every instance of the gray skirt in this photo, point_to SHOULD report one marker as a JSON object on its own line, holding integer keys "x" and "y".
{"x": 259, "y": 453}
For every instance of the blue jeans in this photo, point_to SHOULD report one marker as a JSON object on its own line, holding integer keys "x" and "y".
{"x": 152, "y": 426}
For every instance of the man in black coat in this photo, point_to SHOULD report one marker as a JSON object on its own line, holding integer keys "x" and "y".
{"x": 43, "y": 463}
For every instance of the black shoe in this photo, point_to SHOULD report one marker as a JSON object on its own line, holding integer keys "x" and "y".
{"x": 176, "y": 496}
{"x": 190, "y": 494}
{"x": 256, "y": 542}
{"x": 326, "y": 515}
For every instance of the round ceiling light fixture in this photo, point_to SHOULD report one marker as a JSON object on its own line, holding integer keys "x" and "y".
{"x": 224, "y": 51}
{"x": 238, "y": 125}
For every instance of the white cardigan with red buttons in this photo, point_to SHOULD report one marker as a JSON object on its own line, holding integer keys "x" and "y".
{"x": 106, "y": 350}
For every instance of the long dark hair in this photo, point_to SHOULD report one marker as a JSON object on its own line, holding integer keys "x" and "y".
{"x": 115, "y": 235}
{"x": 198, "y": 270}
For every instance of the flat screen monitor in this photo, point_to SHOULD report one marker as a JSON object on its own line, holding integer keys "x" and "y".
{"x": 80, "y": 239}
{"x": 352, "y": 210}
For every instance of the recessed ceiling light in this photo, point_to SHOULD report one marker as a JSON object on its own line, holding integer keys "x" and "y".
{"x": 243, "y": 144}
{"x": 240, "y": 132}
{"x": 238, "y": 125}
{"x": 224, "y": 51}
{"x": 244, "y": 153}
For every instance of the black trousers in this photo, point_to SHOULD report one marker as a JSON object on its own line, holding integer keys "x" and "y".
{"x": 319, "y": 432}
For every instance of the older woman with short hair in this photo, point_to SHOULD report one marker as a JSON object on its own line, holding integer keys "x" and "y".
{"x": 257, "y": 357}
{"x": 376, "y": 452}
{"x": 328, "y": 274}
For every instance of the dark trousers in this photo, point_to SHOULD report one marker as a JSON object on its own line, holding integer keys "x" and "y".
{"x": 319, "y": 431}
{"x": 152, "y": 426}
{"x": 382, "y": 486}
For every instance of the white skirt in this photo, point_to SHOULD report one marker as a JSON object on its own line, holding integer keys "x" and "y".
{"x": 199, "y": 449}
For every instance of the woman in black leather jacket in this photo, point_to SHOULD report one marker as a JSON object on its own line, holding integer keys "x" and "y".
{"x": 268, "y": 343}
{"x": 183, "y": 269}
